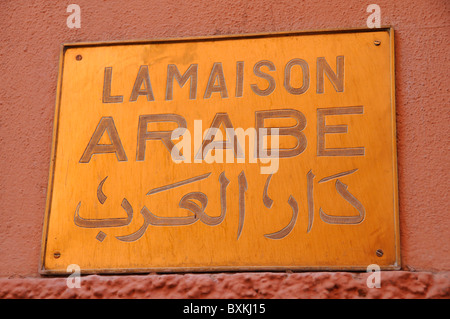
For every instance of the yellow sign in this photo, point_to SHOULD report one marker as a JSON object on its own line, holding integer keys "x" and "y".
{"x": 255, "y": 152}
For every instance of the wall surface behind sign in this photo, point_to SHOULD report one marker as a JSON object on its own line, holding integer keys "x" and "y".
{"x": 31, "y": 34}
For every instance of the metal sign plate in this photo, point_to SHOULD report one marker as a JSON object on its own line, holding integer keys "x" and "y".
{"x": 255, "y": 152}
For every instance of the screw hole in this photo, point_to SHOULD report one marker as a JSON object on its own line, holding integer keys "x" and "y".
{"x": 79, "y": 57}
{"x": 56, "y": 254}
{"x": 377, "y": 42}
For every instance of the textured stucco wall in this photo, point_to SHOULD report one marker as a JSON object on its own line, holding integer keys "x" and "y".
{"x": 31, "y": 33}
{"x": 395, "y": 284}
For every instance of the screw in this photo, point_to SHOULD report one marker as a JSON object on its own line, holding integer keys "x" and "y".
{"x": 79, "y": 57}
{"x": 379, "y": 253}
{"x": 56, "y": 254}
{"x": 377, "y": 42}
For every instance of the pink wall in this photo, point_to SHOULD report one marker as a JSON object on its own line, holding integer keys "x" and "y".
{"x": 31, "y": 35}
